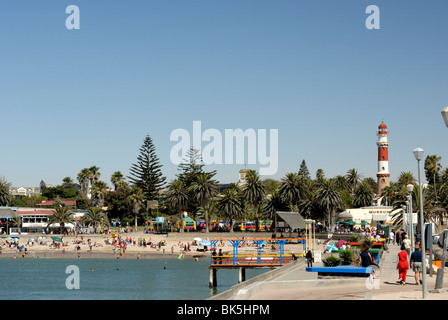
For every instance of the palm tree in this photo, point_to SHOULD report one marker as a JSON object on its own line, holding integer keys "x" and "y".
{"x": 405, "y": 178}
{"x": 5, "y": 196}
{"x": 177, "y": 197}
{"x": 136, "y": 198}
{"x": 341, "y": 182}
{"x": 253, "y": 192}
{"x": 204, "y": 188}
{"x": 83, "y": 179}
{"x": 432, "y": 168}
{"x": 363, "y": 196}
{"x": 99, "y": 192}
{"x": 291, "y": 189}
{"x": 320, "y": 175}
{"x": 61, "y": 215}
{"x": 117, "y": 179}
{"x": 353, "y": 178}
{"x": 94, "y": 174}
{"x": 329, "y": 198}
{"x": 95, "y": 216}
{"x": 229, "y": 205}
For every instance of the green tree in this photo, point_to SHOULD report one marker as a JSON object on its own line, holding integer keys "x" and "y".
{"x": 329, "y": 199}
{"x": 254, "y": 192}
{"x": 432, "y": 169}
{"x": 303, "y": 170}
{"x": 136, "y": 199}
{"x": 291, "y": 189}
{"x": 117, "y": 179}
{"x": 405, "y": 178}
{"x": 177, "y": 197}
{"x": 5, "y": 196}
{"x": 63, "y": 216}
{"x": 353, "y": 178}
{"x": 205, "y": 189}
{"x": 320, "y": 175}
{"x": 83, "y": 179}
{"x": 190, "y": 168}
{"x": 229, "y": 205}
{"x": 94, "y": 217}
{"x": 146, "y": 173}
{"x": 94, "y": 174}
{"x": 98, "y": 192}
{"x": 363, "y": 196}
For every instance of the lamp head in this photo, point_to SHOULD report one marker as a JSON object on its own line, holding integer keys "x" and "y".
{"x": 418, "y": 153}
{"x": 445, "y": 115}
{"x": 410, "y": 187}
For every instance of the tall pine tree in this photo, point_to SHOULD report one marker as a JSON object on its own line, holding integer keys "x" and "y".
{"x": 304, "y": 170}
{"x": 146, "y": 173}
{"x": 190, "y": 169}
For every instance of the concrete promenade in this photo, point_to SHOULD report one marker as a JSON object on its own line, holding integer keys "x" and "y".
{"x": 294, "y": 283}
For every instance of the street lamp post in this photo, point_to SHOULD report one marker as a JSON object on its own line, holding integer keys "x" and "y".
{"x": 410, "y": 188}
{"x": 418, "y": 154}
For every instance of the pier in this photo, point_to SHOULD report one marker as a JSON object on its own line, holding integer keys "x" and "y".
{"x": 256, "y": 260}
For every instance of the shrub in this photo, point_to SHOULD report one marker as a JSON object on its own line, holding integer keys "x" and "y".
{"x": 331, "y": 261}
{"x": 347, "y": 257}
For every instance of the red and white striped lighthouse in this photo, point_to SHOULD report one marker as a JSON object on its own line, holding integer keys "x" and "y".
{"x": 383, "y": 175}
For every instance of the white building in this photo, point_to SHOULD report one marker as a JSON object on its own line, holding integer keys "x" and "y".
{"x": 372, "y": 215}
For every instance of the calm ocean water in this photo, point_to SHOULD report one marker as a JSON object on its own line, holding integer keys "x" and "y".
{"x": 123, "y": 279}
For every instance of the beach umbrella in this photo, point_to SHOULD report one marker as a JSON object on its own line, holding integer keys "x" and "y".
{"x": 205, "y": 243}
{"x": 350, "y": 223}
{"x": 340, "y": 243}
{"x": 56, "y": 239}
{"x": 197, "y": 239}
{"x": 363, "y": 223}
{"x": 331, "y": 247}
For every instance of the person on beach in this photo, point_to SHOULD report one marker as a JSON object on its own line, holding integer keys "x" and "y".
{"x": 417, "y": 265}
{"x": 402, "y": 265}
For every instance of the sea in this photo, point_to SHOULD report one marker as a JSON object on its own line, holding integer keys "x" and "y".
{"x": 112, "y": 279}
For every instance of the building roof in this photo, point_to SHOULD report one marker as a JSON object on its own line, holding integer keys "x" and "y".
{"x": 36, "y": 212}
{"x": 7, "y": 212}
{"x": 382, "y": 126}
{"x": 293, "y": 219}
{"x": 51, "y": 202}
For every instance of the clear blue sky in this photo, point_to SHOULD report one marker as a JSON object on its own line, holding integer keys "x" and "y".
{"x": 71, "y": 99}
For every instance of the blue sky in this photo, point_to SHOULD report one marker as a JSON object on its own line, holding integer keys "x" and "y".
{"x": 71, "y": 99}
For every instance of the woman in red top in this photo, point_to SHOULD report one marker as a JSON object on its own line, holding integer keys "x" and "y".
{"x": 402, "y": 265}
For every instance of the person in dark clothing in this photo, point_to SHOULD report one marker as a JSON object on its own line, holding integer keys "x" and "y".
{"x": 365, "y": 258}
{"x": 309, "y": 258}
{"x": 417, "y": 265}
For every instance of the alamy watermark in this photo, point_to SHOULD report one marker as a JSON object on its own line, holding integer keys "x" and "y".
{"x": 228, "y": 147}
{"x": 73, "y": 280}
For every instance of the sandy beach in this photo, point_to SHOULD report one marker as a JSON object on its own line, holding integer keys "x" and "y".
{"x": 172, "y": 245}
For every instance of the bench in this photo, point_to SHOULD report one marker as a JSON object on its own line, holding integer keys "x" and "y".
{"x": 341, "y": 271}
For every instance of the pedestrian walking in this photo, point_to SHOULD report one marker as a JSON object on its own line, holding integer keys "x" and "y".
{"x": 391, "y": 237}
{"x": 417, "y": 265}
{"x": 407, "y": 245}
{"x": 402, "y": 265}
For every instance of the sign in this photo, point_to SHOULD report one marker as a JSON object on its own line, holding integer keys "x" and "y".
{"x": 153, "y": 204}
{"x": 317, "y": 256}
{"x": 160, "y": 219}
